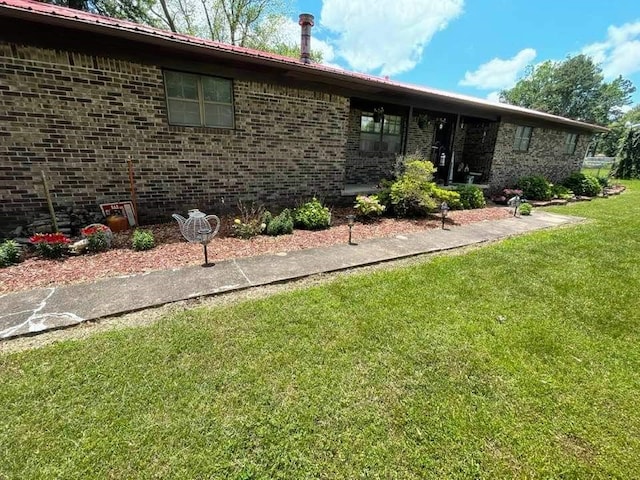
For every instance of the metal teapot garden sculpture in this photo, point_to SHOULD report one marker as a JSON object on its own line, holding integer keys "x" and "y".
{"x": 198, "y": 228}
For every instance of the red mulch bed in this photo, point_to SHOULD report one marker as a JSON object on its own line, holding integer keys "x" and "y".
{"x": 172, "y": 251}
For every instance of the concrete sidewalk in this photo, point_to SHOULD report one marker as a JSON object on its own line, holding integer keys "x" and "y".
{"x": 42, "y": 309}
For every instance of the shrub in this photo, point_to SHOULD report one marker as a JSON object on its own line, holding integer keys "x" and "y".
{"x": 368, "y": 207}
{"x": 98, "y": 237}
{"x": 412, "y": 193}
{"x": 471, "y": 197}
{"x": 450, "y": 196}
{"x": 142, "y": 240}
{"x": 50, "y": 245}
{"x": 535, "y": 187}
{"x": 281, "y": 224}
{"x": 583, "y": 184}
{"x": 525, "y": 209}
{"x": 603, "y": 181}
{"x": 9, "y": 253}
{"x": 250, "y": 222}
{"x": 312, "y": 216}
{"x": 560, "y": 191}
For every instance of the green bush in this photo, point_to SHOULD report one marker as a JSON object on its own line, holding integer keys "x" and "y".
{"x": 368, "y": 207}
{"x": 535, "y": 187}
{"x": 450, "y": 196}
{"x": 142, "y": 240}
{"x": 562, "y": 192}
{"x": 280, "y": 224}
{"x": 9, "y": 253}
{"x": 412, "y": 194}
{"x": 471, "y": 197}
{"x": 98, "y": 242}
{"x": 312, "y": 216}
{"x": 583, "y": 184}
{"x": 525, "y": 209}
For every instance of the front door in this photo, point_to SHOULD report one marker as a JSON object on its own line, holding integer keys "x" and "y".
{"x": 440, "y": 152}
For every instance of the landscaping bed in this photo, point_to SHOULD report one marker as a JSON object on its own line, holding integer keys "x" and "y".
{"x": 172, "y": 251}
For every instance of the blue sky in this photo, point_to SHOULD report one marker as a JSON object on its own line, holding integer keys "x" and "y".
{"x": 475, "y": 47}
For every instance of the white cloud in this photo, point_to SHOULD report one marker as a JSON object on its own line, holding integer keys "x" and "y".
{"x": 494, "y": 96}
{"x": 385, "y": 37}
{"x": 619, "y": 54}
{"x": 499, "y": 73}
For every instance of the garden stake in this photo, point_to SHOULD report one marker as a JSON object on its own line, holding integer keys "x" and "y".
{"x": 203, "y": 234}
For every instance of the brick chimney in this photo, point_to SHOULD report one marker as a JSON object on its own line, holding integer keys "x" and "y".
{"x": 305, "y": 22}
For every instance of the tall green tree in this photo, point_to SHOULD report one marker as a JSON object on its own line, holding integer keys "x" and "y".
{"x": 573, "y": 88}
{"x": 628, "y": 159}
{"x": 609, "y": 143}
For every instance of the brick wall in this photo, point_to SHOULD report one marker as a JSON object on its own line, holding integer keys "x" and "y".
{"x": 78, "y": 117}
{"x": 545, "y": 156}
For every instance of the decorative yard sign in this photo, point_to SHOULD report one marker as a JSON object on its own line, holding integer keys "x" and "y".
{"x": 123, "y": 208}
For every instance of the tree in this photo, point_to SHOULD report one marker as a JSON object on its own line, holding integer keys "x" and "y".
{"x": 258, "y": 24}
{"x": 628, "y": 158}
{"x": 573, "y": 88}
{"x": 134, "y": 10}
{"x": 609, "y": 143}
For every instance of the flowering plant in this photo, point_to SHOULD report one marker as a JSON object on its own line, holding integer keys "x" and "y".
{"x": 93, "y": 229}
{"x": 369, "y": 207}
{"x": 98, "y": 237}
{"x": 50, "y": 245}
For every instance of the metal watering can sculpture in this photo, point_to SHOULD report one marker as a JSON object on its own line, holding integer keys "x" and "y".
{"x": 198, "y": 228}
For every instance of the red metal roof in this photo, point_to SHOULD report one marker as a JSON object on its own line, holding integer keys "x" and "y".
{"x": 47, "y": 13}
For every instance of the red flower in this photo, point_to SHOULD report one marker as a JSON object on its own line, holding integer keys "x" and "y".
{"x": 93, "y": 229}
{"x": 50, "y": 238}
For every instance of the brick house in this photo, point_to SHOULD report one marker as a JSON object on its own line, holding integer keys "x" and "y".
{"x": 208, "y": 124}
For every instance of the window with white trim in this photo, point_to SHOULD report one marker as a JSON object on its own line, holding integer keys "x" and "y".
{"x": 523, "y": 138}
{"x": 382, "y": 136}
{"x": 570, "y": 143}
{"x": 199, "y": 100}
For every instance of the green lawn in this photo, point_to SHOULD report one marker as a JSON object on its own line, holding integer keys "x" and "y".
{"x": 517, "y": 360}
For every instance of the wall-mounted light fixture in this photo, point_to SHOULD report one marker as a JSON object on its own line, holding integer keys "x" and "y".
{"x": 378, "y": 114}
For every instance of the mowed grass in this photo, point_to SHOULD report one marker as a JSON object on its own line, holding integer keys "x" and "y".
{"x": 517, "y": 360}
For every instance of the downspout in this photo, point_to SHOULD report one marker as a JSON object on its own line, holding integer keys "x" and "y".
{"x": 406, "y": 132}
{"x": 453, "y": 153}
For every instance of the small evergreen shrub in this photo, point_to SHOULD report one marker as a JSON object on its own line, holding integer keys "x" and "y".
{"x": 50, "y": 245}
{"x": 312, "y": 216}
{"x": 471, "y": 197}
{"x": 9, "y": 253}
{"x": 142, "y": 240}
{"x": 281, "y": 224}
{"x": 535, "y": 187}
{"x": 583, "y": 184}
{"x": 368, "y": 207}
{"x": 525, "y": 209}
{"x": 562, "y": 192}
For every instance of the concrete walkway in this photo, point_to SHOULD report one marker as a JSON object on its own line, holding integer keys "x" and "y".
{"x": 42, "y": 309}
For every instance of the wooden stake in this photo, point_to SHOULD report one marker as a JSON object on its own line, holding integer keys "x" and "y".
{"x": 49, "y": 202}
{"x": 133, "y": 191}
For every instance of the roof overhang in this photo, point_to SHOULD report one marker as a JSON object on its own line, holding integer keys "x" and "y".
{"x": 43, "y": 13}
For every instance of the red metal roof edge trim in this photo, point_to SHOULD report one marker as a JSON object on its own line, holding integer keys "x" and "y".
{"x": 46, "y": 9}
